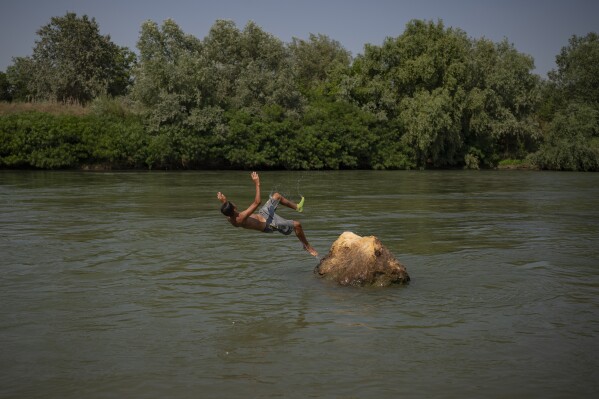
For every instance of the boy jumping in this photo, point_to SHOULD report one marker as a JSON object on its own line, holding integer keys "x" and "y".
{"x": 266, "y": 220}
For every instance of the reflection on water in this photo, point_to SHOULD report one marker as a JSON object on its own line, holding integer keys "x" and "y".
{"x": 133, "y": 285}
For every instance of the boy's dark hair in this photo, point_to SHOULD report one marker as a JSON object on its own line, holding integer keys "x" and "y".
{"x": 227, "y": 208}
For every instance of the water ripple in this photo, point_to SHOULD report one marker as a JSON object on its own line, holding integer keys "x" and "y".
{"x": 134, "y": 284}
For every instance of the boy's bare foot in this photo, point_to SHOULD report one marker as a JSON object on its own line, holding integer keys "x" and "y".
{"x": 311, "y": 250}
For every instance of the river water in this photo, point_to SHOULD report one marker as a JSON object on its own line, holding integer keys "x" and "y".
{"x": 134, "y": 285}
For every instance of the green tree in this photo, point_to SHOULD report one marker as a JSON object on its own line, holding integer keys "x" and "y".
{"x": 577, "y": 74}
{"x": 426, "y": 56}
{"x": 250, "y": 68}
{"x": 180, "y": 88}
{"x": 574, "y": 80}
{"x": 192, "y": 89}
{"x": 333, "y": 135}
{"x": 415, "y": 84}
{"x": 501, "y": 98}
{"x": 432, "y": 127}
{"x": 255, "y": 141}
{"x": 5, "y": 94}
{"x": 168, "y": 76}
{"x": 20, "y": 78}
{"x": 448, "y": 98}
{"x": 572, "y": 141}
{"x": 570, "y": 110}
{"x": 72, "y": 62}
{"x": 313, "y": 60}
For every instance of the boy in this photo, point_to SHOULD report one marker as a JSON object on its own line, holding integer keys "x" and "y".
{"x": 266, "y": 220}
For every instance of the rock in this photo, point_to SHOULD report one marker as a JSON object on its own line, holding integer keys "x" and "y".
{"x": 361, "y": 261}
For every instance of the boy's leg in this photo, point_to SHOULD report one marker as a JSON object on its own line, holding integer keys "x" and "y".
{"x": 299, "y": 232}
{"x": 284, "y": 201}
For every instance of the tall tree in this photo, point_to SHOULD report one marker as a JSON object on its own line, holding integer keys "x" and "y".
{"x": 577, "y": 74}
{"x": 73, "y": 62}
{"x": 182, "y": 77}
{"x": 20, "y": 79}
{"x": 570, "y": 109}
{"x": 502, "y": 95}
{"x": 314, "y": 59}
{"x": 174, "y": 81}
{"x": 250, "y": 67}
{"x": 4, "y": 88}
{"x": 415, "y": 83}
{"x": 168, "y": 77}
{"x": 448, "y": 96}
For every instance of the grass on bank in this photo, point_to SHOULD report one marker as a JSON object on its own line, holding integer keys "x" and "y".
{"x": 49, "y": 107}
{"x": 517, "y": 164}
{"x": 101, "y": 106}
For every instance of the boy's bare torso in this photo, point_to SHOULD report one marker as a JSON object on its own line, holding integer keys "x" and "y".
{"x": 253, "y": 222}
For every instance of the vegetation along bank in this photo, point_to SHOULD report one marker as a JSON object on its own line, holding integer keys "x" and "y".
{"x": 432, "y": 97}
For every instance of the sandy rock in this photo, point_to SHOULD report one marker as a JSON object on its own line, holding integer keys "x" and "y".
{"x": 361, "y": 261}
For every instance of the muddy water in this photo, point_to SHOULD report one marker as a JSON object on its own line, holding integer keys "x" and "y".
{"x": 133, "y": 285}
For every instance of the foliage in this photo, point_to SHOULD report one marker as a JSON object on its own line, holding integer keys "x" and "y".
{"x": 183, "y": 80}
{"x": 577, "y": 75}
{"x": 431, "y": 97}
{"x": 314, "y": 60}
{"x": 570, "y": 111}
{"x": 20, "y": 78}
{"x": 431, "y": 127}
{"x": 335, "y": 135}
{"x": 572, "y": 142}
{"x": 499, "y": 116}
{"x": 5, "y": 94}
{"x": 41, "y": 140}
{"x": 451, "y": 96}
{"x": 71, "y": 62}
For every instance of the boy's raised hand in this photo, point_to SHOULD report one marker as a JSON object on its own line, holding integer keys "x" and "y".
{"x": 255, "y": 178}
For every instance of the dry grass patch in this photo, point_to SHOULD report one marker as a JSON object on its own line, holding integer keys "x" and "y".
{"x": 48, "y": 107}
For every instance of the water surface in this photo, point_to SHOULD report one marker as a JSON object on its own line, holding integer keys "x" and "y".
{"x": 134, "y": 285}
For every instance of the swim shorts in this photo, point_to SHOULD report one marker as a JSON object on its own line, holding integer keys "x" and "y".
{"x": 274, "y": 221}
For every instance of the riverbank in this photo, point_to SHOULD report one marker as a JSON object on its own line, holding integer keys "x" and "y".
{"x": 112, "y": 135}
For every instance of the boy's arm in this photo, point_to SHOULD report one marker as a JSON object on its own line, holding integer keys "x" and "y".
{"x": 252, "y": 208}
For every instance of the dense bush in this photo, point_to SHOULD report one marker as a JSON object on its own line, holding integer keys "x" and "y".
{"x": 572, "y": 141}
{"x": 41, "y": 140}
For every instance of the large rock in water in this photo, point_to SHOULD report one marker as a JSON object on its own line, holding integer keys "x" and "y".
{"x": 360, "y": 261}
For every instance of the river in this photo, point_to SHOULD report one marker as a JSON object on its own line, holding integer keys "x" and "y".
{"x": 132, "y": 284}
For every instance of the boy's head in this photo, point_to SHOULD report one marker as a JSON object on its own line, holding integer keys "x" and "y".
{"x": 228, "y": 208}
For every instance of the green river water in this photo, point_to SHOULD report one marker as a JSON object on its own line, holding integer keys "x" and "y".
{"x": 133, "y": 285}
